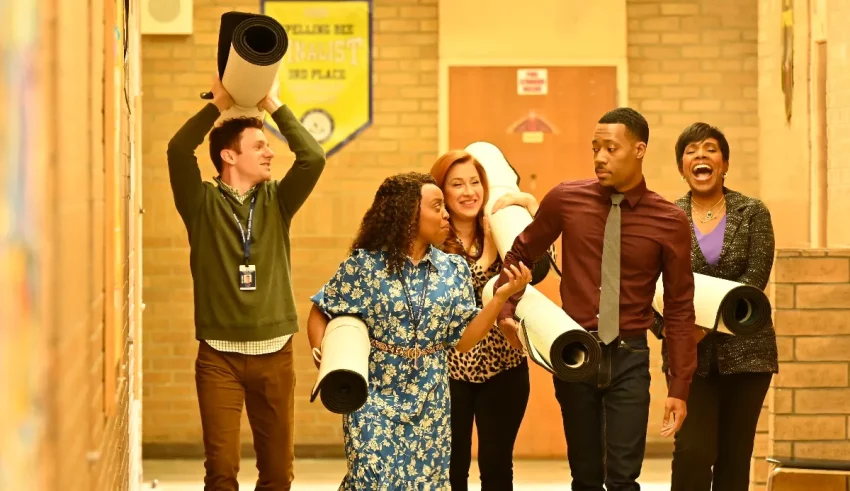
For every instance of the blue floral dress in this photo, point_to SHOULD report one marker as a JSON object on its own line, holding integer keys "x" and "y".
{"x": 400, "y": 440}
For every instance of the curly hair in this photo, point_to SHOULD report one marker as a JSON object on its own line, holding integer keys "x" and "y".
{"x": 439, "y": 171}
{"x": 392, "y": 222}
{"x": 228, "y": 135}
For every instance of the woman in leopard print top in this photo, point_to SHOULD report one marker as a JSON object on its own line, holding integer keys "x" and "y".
{"x": 490, "y": 383}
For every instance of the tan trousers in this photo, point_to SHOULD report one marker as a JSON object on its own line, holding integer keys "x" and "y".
{"x": 265, "y": 384}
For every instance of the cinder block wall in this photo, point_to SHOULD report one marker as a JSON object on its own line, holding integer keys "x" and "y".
{"x": 689, "y": 61}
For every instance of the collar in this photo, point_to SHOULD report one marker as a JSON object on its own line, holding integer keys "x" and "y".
{"x": 430, "y": 257}
{"x": 633, "y": 195}
{"x": 233, "y": 191}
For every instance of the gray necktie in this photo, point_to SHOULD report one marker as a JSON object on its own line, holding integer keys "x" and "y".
{"x": 609, "y": 299}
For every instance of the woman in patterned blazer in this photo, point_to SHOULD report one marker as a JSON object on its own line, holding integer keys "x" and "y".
{"x": 732, "y": 238}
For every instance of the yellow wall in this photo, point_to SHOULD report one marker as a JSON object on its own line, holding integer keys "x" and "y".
{"x": 809, "y": 205}
{"x": 551, "y": 32}
{"x": 783, "y": 146}
{"x": 835, "y": 15}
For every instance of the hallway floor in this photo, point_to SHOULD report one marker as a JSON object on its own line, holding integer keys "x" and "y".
{"x": 325, "y": 475}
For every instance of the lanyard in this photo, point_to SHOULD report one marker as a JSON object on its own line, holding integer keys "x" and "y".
{"x": 245, "y": 236}
{"x": 416, "y": 319}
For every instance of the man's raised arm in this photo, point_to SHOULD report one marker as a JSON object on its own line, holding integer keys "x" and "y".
{"x": 183, "y": 171}
{"x": 299, "y": 181}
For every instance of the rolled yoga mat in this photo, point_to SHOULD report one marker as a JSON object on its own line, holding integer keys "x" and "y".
{"x": 552, "y": 339}
{"x": 250, "y": 51}
{"x": 724, "y": 306}
{"x": 344, "y": 368}
{"x": 509, "y": 221}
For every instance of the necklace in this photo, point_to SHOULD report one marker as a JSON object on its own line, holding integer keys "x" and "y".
{"x": 710, "y": 215}
{"x": 416, "y": 317}
{"x": 473, "y": 249}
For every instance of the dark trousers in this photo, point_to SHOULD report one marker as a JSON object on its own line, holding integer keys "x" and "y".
{"x": 719, "y": 431}
{"x": 605, "y": 418}
{"x": 497, "y": 407}
{"x": 265, "y": 385}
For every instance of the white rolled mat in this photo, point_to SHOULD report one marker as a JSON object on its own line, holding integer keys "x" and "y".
{"x": 344, "y": 369}
{"x": 508, "y": 222}
{"x": 552, "y": 339}
{"x": 250, "y": 51}
{"x": 725, "y": 306}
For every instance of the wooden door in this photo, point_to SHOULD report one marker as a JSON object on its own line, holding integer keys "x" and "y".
{"x": 546, "y": 138}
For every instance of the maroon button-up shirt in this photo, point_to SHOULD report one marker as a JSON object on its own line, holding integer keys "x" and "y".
{"x": 655, "y": 239}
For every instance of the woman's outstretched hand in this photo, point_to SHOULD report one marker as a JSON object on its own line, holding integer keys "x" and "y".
{"x": 518, "y": 278}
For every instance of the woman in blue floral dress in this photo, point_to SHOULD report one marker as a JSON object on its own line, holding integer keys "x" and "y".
{"x": 417, "y": 302}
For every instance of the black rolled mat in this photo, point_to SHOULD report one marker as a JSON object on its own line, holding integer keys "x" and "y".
{"x": 256, "y": 38}
{"x": 722, "y": 305}
{"x": 250, "y": 50}
{"x": 342, "y": 391}
{"x": 744, "y": 311}
{"x": 575, "y": 355}
{"x": 343, "y": 376}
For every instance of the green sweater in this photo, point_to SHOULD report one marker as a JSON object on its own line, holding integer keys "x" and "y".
{"x": 222, "y": 310}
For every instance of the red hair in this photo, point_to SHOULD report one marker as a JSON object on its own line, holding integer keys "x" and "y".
{"x": 439, "y": 171}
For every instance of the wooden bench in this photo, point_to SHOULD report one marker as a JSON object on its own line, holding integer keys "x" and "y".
{"x": 805, "y": 466}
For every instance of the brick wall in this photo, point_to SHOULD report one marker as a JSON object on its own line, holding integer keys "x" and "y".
{"x": 403, "y": 137}
{"x": 810, "y": 398}
{"x": 689, "y": 61}
{"x": 86, "y": 445}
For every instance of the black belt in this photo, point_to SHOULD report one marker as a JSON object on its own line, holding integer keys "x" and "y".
{"x": 624, "y": 335}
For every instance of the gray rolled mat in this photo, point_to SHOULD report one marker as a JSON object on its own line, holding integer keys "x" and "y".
{"x": 250, "y": 50}
{"x": 344, "y": 368}
{"x": 724, "y": 306}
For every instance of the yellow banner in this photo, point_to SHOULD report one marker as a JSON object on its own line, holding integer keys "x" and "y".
{"x": 326, "y": 74}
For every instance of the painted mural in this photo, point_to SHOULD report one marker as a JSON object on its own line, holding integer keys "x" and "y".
{"x": 22, "y": 364}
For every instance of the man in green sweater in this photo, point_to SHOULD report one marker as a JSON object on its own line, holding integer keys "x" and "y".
{"x": 238, "y": 230}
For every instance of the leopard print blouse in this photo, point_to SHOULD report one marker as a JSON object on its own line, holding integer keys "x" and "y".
{"x": 492, "y": 355}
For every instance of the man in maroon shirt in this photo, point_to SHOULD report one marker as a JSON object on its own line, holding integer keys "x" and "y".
{"x": 605, "y": 419}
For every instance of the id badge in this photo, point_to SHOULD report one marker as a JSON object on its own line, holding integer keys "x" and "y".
{"x": 247, "y": 277}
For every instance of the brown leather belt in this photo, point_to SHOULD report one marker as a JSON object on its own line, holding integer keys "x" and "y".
{"x": 410, "y": 353}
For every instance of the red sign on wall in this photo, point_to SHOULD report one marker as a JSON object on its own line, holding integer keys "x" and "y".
{"x": 532, "y": 81}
